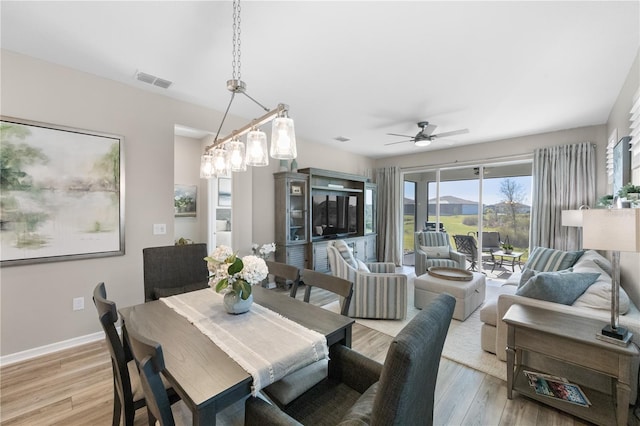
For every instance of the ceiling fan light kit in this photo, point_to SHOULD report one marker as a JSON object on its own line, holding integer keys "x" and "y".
{"x": 228, "y": 154}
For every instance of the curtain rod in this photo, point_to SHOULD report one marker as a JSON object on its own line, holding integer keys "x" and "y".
{"x": 468, "y": 162}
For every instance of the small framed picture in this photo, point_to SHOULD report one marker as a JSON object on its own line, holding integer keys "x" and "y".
{"x": 296, "y": 190}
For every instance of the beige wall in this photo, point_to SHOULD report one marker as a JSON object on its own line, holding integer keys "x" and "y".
{"x": 36, "y": 300}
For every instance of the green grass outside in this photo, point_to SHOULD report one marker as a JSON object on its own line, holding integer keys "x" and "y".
{"x": 453, "y": 226}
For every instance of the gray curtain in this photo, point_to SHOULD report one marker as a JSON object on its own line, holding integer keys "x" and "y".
{"x": 388, "y": 222}
{"x": 564, "y": 178}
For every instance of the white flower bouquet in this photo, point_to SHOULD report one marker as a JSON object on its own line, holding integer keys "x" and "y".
{"x": 237, "y": 275}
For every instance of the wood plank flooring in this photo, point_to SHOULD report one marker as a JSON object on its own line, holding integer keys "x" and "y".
{"x": 74, "y": 387}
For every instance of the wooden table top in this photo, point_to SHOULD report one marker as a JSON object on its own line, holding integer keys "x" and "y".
{"x": 201, "y": 372}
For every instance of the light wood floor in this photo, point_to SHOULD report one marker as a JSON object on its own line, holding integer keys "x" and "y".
{"x": 74, "y": 387}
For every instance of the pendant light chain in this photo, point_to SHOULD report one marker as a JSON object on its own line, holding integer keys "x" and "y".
{"x": 236, "y": 62}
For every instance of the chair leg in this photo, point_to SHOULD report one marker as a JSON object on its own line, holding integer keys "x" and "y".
{"x": 117, "y": 407}
{"x": 152, "y": 419}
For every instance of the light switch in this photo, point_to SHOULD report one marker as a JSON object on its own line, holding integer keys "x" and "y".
{"x": 159, "y": 228}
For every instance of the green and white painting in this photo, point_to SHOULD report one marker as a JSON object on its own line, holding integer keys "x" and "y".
{"x": 61, "y": 193}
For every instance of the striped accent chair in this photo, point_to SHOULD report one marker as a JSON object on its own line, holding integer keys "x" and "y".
{"x": 435, "y": 239}
{"x": 378, "y": 292}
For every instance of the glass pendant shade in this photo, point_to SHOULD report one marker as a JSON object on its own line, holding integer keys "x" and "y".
{"x": 206, "y": 166}
{"x": 257, "y": 153}
{"x": 236, "y": 156}
{"x": 220, "y": 165}
{"x": 283, "y": 139}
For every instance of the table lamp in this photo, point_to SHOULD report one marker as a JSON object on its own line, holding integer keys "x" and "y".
{"x": 615, "y": 230}
{"x": 573, "y": 218}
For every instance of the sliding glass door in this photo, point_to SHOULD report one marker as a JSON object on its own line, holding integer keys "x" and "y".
{"x": 481, "y": 207}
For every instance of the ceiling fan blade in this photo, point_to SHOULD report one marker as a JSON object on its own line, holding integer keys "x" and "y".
{"x": 429, "y": 129}
{"x": 452, "y": 133}
{"x": 396, "y": 134}
{"x": 393, "y": 143}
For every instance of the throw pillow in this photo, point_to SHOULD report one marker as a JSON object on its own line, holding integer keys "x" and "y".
{"x": 547, "y": 259}
{"x": 345, "y": 252}
{"x": 598, "y": 295}
{"x": 362, "y": 266}
{"x": 527, "y": 274}
{"x": 557, "y": 287}
{"x": 436, "y": 252}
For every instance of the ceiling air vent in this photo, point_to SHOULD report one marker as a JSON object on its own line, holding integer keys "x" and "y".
{"x": 342, "y": 139}
{"x": 152, "y": 79}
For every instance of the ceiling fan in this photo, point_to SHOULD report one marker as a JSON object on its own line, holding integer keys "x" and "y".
{"x": 425, "y": 135}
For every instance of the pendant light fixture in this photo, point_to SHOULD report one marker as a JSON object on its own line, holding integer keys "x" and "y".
{"x": 230, "y": 148}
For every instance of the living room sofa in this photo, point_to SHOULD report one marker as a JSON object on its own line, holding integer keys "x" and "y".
{"x": 593, "y": 303}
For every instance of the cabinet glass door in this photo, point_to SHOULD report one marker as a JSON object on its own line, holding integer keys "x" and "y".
{"x": 370, "y": 195}
{"x": 298, "y": 210}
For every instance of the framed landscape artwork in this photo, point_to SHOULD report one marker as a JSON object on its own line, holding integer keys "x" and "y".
{"x": 184, "y": 200}
{"x": 61, "y": 193}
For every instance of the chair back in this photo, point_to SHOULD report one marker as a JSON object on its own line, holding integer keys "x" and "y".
{"x": 285, "y": 273}
{"x": 491, "y": 241}
{"x": 108, "y": 315}
{"x": 337, "y": 263}
{"x": 466, "y": 244}
{"x": 174, "y": 269}
{"x": 431, "y": 239}
{"x": 407, "y": 384}
{"x": 339, "y": 286}
{"x": 148, "y": 356}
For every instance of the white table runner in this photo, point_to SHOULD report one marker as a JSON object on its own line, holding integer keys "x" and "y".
{"x": 266, "y": 344}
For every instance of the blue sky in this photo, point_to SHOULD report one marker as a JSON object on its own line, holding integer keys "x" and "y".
{"x": 468, "y": 189}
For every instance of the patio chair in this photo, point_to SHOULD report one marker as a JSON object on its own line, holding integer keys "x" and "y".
{"x": 434, "y": 249}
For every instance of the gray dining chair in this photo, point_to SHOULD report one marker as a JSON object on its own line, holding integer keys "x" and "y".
{"x": 170, "y": 270}
{"x": 150, "y": 361}
{"x": 360, "y": 391}
{"x": 284, "y": 391}
{"x": 127, "y": 391}
{"x": 284, "y": 274}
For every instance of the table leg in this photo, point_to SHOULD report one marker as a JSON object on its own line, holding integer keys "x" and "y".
{"x": 511, "y": 355}
{"x": 206, "y": 416}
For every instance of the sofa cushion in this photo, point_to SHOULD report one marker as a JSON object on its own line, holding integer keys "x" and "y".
{"x": 558, "y": 287}
{"x": 436, "y": 252}
{"x": 546, "y": 259}
{"x": 598, "y": 295}
{"x": 599, "y": 260}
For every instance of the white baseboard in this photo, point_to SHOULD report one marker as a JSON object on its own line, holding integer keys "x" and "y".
{"x": 47, "y": 349}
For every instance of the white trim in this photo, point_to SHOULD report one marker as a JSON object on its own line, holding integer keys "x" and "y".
{"x": 51, "y": 348}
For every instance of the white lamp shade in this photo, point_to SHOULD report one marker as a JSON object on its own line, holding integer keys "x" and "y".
{"x": 611, "y": 229}
{"x": 220, "y": 165}
{"x": 206, "y": 166}
{"x": 235, "y": 152}
{"x": 571, "y": 218}
{"x": 283, "y": 139}
{"x": 257, "y": 153}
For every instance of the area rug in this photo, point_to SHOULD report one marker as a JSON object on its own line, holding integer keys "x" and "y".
{"x": 463, "y": 339}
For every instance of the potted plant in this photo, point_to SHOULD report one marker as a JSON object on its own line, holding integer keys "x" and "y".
{"x": 236, "y": 276}
{"x": 606, "y": 200}
{"x": 507, "y": 248}
{"x": 630, "y": 192}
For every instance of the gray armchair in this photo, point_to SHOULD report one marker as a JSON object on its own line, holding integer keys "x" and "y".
{"x": 424, "y": 261}
{"x": 363, "y": 392}
{"x": 371, "y": 282}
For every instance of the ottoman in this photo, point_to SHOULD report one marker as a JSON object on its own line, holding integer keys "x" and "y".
{"x": 468, "y": 294}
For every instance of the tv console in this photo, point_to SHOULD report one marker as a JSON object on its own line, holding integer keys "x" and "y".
{"x": 315, "y": 206}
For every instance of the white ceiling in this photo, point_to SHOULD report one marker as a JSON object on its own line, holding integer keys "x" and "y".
{"x": 357, "y": 69}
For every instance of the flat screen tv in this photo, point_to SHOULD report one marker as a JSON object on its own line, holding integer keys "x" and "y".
{"x": 334, "y": 215}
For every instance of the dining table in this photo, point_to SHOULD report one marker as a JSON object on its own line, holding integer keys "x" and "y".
{"x": 204, "y": 376}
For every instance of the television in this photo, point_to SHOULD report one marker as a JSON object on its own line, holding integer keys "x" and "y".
{"x": 334, "y": 215}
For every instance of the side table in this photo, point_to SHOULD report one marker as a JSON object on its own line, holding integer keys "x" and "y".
{"x": 514, "y": 257}
{"x": 571, "y": 339}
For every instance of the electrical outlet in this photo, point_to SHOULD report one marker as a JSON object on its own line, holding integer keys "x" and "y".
{"x": 78, "y": 303}
{"x": 159, "y": 228}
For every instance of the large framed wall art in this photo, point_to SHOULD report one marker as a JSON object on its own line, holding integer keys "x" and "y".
{"x": 61, "y": 193}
